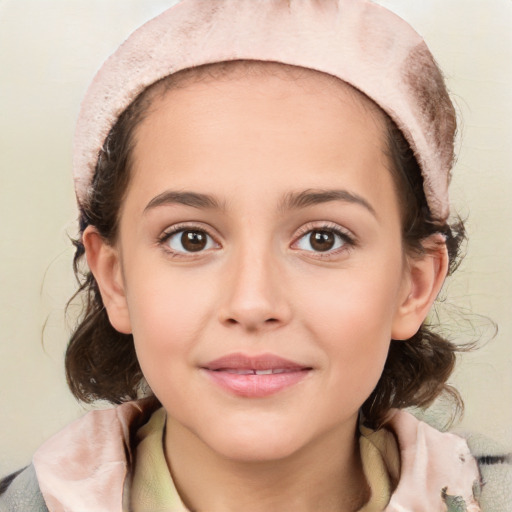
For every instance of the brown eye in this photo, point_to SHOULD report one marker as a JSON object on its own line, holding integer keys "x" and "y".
{"x": 322, "y": 240}
{"x": 190, "y": 240}
{"x": 193, "y": 241}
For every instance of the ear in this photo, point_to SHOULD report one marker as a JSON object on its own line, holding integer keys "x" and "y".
{"x": 104, "y": 262}
{"x": 425, "y": 275}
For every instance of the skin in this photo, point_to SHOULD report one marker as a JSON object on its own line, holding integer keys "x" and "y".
{"x": 250, "y": 142}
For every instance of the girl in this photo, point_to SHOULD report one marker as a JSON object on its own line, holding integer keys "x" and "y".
{"x": 263, "y": 210}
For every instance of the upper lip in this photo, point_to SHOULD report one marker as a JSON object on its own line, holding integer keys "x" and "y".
{"x": 238, "y": 361}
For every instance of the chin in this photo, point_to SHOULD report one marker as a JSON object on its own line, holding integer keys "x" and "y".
{"x": 256, "y": 448}
{"x": 257, "y": 442}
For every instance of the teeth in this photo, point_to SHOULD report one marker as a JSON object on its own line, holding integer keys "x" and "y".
{"x": 269, "y": 371}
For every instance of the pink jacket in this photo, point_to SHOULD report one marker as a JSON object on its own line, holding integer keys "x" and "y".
{"x": 85, "y": 466}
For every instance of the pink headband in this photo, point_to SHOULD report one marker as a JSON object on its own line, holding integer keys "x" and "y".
{"x": 355, "y": 40}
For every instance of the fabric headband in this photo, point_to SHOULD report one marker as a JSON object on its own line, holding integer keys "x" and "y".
{"x": 357, "y": 41}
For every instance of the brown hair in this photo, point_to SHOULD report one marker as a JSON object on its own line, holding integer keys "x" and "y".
{"x": 101, "y": 363}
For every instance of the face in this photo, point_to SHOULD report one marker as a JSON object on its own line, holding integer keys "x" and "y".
{"x": 260, "y": 260}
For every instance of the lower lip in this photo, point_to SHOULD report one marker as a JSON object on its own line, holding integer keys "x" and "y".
{"x": 256, "y": 386}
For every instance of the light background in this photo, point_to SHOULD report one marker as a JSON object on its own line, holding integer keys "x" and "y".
{"x": 49, "y": 51}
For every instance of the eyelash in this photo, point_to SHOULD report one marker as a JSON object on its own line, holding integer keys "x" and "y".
{"x": 347, "y": 239}
{"x": 178, "y": 228}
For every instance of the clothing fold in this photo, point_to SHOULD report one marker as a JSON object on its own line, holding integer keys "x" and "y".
{"x": 89, "y": 465}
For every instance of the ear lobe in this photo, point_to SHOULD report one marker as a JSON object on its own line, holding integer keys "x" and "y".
{"x": 104, "y": 263}
{"x": 426, "y": 275}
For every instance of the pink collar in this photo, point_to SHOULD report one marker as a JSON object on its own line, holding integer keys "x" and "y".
{"x": 85, "y": 465}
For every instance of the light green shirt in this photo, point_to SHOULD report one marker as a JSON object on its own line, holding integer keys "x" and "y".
{"x": 153, "y": 490}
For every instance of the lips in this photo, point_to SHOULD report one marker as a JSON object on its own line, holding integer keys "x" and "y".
{"x": 255, "y": 377}
{"x": 256, "y": 372}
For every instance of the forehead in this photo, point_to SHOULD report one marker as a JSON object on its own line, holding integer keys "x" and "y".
{"x": 260, "y": 77}
{"x": 239, "y": 123}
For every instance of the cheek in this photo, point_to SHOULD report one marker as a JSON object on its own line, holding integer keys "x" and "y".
{"x": 352, "y": 316}
{"x": 353, "y": 302}
{"x": 167, "y": 312}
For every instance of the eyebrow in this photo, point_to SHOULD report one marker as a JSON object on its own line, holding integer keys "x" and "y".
{"x": 193, "y": 199}
{"x": 293, "y": 200}
{"x": 311, "y": 197}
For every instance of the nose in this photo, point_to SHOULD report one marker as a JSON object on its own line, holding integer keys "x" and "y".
{"x": 255, "y": 293}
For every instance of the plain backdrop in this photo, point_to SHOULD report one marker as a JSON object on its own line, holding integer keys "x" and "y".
{"x": 49, "y": 51}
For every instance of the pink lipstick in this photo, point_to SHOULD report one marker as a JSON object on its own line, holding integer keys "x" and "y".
{"x": 255, "y": 376}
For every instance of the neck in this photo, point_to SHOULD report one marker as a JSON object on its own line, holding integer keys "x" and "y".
{"x": 327, "y": 475}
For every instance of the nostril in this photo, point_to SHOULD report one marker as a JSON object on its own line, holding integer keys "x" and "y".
{"x": 268, "y": 321}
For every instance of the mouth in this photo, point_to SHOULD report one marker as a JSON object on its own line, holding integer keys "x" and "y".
{"x": 269, "y": 371}
{"x": 255, "y": 377}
